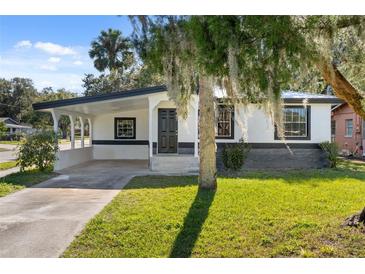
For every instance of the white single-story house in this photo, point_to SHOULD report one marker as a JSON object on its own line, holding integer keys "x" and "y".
{"x": 13, "y": 127}
{"x": 141, "y": 124}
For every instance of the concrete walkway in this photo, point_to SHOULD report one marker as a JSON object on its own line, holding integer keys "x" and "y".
{"x": 43, "y": 220}
{"x": 6, "y": 172}
{"x": 10, "y": 154}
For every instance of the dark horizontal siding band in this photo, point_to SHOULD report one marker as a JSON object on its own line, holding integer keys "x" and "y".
{"x": 277, "y": 145}
{"x": 185, "y": 145}
{"x": 219, "y": 145}
{"x": 120, "y": 142}
{"x": 180, "y": 145}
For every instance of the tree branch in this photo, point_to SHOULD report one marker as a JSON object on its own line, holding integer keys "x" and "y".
{"x": 342, "y": 87}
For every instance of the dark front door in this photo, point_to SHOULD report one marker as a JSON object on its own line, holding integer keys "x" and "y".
{"x": 167, "y": 130}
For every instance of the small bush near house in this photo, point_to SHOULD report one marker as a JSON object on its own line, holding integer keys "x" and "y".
{"x": 331, "y": 150}
{"x": 3, "y": 129}
{"x": 233, "y": 155}
{"x": 39, "y": 150}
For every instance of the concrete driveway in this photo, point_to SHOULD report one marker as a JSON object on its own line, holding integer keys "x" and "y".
{"x": 43, "y": 220}
{"x": 10, "y": 154}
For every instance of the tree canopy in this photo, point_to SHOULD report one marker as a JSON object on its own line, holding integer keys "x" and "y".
{"x": 114, "y": 55}
{"x": 253, "y": 58}
{"x": 17, "y": 96}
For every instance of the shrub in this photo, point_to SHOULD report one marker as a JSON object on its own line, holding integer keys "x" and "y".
{"x": 233, "y": 155}
{"x": 39, "y": 150}
{"x": 331, "y": 149}
{"x": 3, "y": 129}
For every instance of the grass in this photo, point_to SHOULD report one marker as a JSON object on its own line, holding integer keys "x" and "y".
{"x": 258, "y": 214}
{"x": 19, "y": 180}
{"x": 7, "y": 165}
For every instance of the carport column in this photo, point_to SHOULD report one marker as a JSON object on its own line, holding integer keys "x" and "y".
{"x": 90, "y": 132}
{"x": 196, "y": 144}
{"x": 56, "y": 116}
{"x": 150, "y": 111}
{"x": 72, "y": 124}
{"x": 82, "y": 131}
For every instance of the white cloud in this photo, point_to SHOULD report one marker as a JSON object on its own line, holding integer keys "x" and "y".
{"x": 78, "y": 63}
{"x": 54, "y": 59}
{"x": 23, "y": 44}
{"x": 48, "y": 67}
{"x": 54, "y": 49}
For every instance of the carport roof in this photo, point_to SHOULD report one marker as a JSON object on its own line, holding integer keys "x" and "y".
{"x": 99, "y": 97}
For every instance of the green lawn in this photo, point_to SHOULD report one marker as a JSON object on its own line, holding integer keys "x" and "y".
{"x": 20, "y": 180}
{"x": 7, "y": 165}
{"x": 260, "y": 214}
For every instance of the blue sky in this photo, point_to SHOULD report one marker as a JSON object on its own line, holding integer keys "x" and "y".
{"x": 52, "y": 50}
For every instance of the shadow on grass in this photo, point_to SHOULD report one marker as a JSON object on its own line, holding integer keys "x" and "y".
{"x": 157, "y": 181}
{"x": 345, "y": 170}
{"x": 193, "y": 223}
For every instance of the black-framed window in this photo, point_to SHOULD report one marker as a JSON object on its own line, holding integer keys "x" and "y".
{"x": 333, "y": 127}
{"x": 124, "y": 128}
{"x": 349, "y": 127}
{"x": 225, "y": 122}
{"x": 296, "y": 123}
{"x": 333, "y": 130}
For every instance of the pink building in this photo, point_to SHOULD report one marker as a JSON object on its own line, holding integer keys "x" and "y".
{"x": 348, "y": 130}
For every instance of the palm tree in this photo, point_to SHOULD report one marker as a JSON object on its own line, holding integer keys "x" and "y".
{"x": 110, "y": 50}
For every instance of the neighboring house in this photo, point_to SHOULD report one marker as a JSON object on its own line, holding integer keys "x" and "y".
{"x": 142, "y": 124}
{"x": 348, "y": 130}
{"x": 14, "y": 127}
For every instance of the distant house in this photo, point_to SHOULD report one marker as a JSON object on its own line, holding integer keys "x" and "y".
{"x": 14, "y": 127}
{"x": 348, "y": 130}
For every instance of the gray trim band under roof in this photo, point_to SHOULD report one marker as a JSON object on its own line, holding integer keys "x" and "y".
{"x": 332, "y": 100}
{"x": 99, "y": 97}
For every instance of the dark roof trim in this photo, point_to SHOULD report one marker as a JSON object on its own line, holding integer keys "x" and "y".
{"x": 331, "y": 100}
{"x": 336, "y": 107}
{"x": 313, "y": 100}
{"x": 149, "y": 90}
{"x": 7, "y": 119}
{"x": 97, "y": 98}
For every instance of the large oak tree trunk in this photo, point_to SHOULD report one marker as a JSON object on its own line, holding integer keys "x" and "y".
{"x": 207, "y": 154}
{"x": 356, "y": 219}
{"x": 342, "y": 87}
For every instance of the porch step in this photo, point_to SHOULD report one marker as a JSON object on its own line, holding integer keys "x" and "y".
{"x": 175, "y": 163}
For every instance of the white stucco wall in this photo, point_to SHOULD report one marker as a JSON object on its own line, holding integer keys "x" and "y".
{"x": 104, "y": 124}
{"x": 117, "y": 152}
{"x": 68, "y": 158}
{"x": 256, "y": 126}
{"x": 103, "y": 129}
